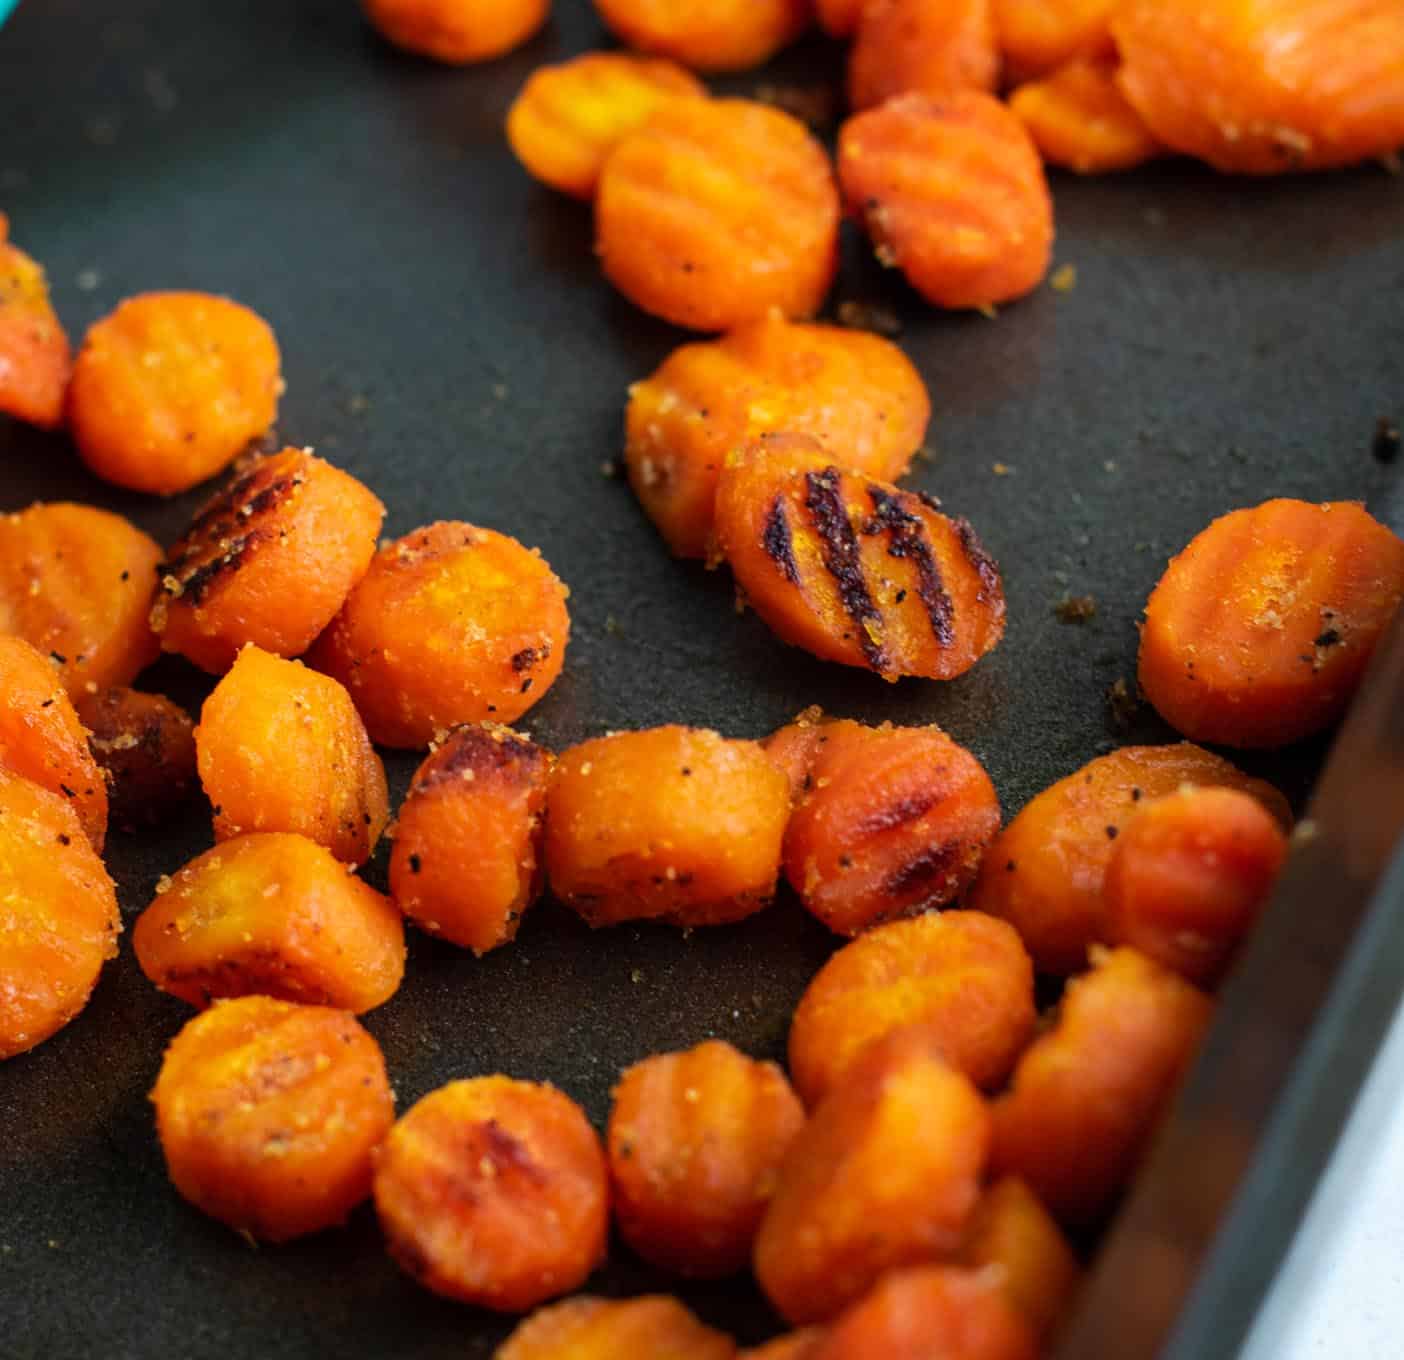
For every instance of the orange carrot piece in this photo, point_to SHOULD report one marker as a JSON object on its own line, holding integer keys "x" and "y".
{"x": 145, "y": 746}
{"x": 282, "y": 748}
{"x": 1260, "y": 87}
{"x": 41, "y": 738}
{"x": 1080, "y": 120}
{"x": 885, "y": 1174}
{"x": 839, "y": 18}
{"x": 652, "y": 1327}
{"x": 695, "y": 1144}
{"x": 466, "y": 861}
{"x": 76, "y": 582}
{"x": 930, "y": 47}
{"x": 271, "y": 914}
{"x": 721, "y": 35}
{"x": 58, "y": 914}
{"x": 1045, "y": 872}
{"x": 494, "y": 1192}
{"x": 718, "y": 211}
{"x": 1261, "y": 629}
{"x": 451, "y": 624}
{"x": 34, "y": 356}
{"x": 792, "y": 1346}
{"x": 170, "y": 388}
{"x": 856, "y": 393}
{"x": 952, "y": 193}
{"x": 1088, "y": 1094}
{"x": 853, "y": 569}
{"x": 1189, "y": 876}
{"x": 964, "y": 976}
{"x": 269, "y": 561}
{"x": 269, "y": 1115}
{"x": 794, "y": 748}
{"x": 1038, "y": 36}
{"x": 457, "y": 32}
{"x": 568, "y": 118}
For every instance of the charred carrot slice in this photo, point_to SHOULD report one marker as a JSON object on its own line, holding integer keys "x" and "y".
{"x": 275, "y": 915}
{"x": 494, "y": 1192}
{"x": 965, "y": 976}
{"x": 717, "y": 211}
{"x": 930, "y": 47}
{"x": 34, "y": 357}
{"x": 1038, "y": 36}
{"x": 653, "y": 1327}
{"x": 894, "y": 821}
{"x": 1189, "y": 876}
{"x": 885, "y": 1174}
{"x": 452, "y": 624}
{"x": 853, "y": 569}
{"x": 268, "y": 561}
{"x": 1264, "y": 86}
{"x": 76, "y": 582}
{"x": 269, "y": 1115}
{"x": 854, "y": 392}
{"x": 145, "y": 746}
{"x": 170, "y": 388}
{"x": 722, "y": 35}
{"x": 1261, "y": 629}
{"x": 457, "y": 32}
{"x": 568, "y": 118}
{"x": 282, "y": 748}
{"x": 695, "y": 1144}
{"x": 952, "y": 193}
{"x": 1088, "y": 1094}
{"x": 466, "y": 862}
{"x": 1080, "y": 120}
{"x": 41, "y": 738}
{"x": 58, "y": 914}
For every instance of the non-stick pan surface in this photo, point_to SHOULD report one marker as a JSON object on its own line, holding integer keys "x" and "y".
{"x": 447, "y": 337}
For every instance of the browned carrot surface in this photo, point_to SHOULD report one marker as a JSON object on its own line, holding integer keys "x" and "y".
{"x": 145, "y": 746}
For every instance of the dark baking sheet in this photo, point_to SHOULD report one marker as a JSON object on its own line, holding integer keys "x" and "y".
{"x": 446, "y": 336}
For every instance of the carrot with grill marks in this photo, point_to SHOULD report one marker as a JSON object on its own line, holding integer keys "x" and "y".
{"x": 34, "y": 354}
{"x": 1080, "y": 120}
{"x": 720, "y": 35}
{"x": 930, "y": 47}
{"x": 952, "y": 193}
{"x": 652, "y": 1327}
{"x": 717, "y": 211}
{"x": 855, "y": 570}
{"x": 1261, "y": 629}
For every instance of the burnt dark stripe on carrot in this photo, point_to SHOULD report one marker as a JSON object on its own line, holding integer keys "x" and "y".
{"x": 986, "y": 568}
{"x": 776, "y": 540}
{"x": 907, "y": 538}
{"x": 843, "y": 560}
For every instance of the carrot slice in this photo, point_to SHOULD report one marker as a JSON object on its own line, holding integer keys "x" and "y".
{"x": 931, "y": 47}
{"x": 34, "y": 355}
{"x": 1080, "y": 120}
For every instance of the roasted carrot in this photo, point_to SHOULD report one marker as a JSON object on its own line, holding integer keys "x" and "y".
{"x": 269, "y": 561}
{"x": 41, "y": 738}
{"x": 1188, "y": 877}
{"x": 170, "y": 388}
{"x": 1087, "y": 1096}
{"x": 282, "y": 748}
{"x": 1039, "y": 1274}
{"x": 145, "y": 746}
{"x": 794, "y": 748}
{"x": 1080, "y": 120}
{"x": 695, "y": 1143}
{"x": 76, "y": 582}
{"x": 568, "y": 118}
{"x": 885, "y": 1174}
{"x": 58, "y": 914}
{"x": 722, "y": 35}
{"x": 1045, "y": 872}
{"x": 892, "y": 821}
{"x": 466, "y": 860}
{"x": 1264, "y": 86}
{"x": 952, "y": 193}
{"x": 853, "y": 569}
{"x": 931, "y": 47}
{"x": 1261, "y": 629}
{"x": 457, "y": 32}
{"x": 716, "y": 212}
{"x": 674, "y": 823}
{"x": 269, "y": 1115}
{"x": 792, "y": 1346}
{"x": 494, "y": 1192}
{"x": 271, "y": 914}
{"x": 930, "y": 1313}
{"x": 34, "y": 357}
{"x": 1038, "y": 36}
{"x": 838, "y": 18}
{"x": 653, "y": 1327}
{"x": 964, "y": 976}
{"x": 856, "y": 393}
{"x": 451, "y": 624}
